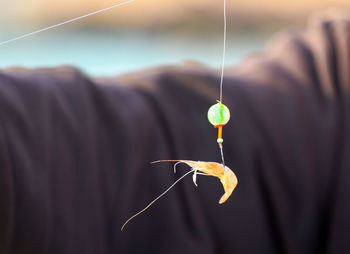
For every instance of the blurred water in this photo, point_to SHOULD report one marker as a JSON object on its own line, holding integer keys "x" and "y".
{"x": 106, "y": 53}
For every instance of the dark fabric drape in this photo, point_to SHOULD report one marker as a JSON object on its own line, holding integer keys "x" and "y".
{"x": 75, "y": 153}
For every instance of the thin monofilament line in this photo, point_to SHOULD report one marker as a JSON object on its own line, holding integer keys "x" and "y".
{"x": 223, "y": 52}
{"x": 63, "y": 23}
{"x": 144, "y": 209}
{"x": 222, "y": 76}
{"x": 222, "y": 154}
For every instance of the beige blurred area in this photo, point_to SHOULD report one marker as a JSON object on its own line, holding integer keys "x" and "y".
{"x": 145, "y": 33}
{"x": 176, "y": 14}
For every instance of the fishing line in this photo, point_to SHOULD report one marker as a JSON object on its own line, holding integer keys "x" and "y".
{"x": 64, "y": 23}
{"x": 161, "y": 195}
{"x": 219, "y": 114}
{"x": 222, "y": 78}
{"x": 223, "y": 52}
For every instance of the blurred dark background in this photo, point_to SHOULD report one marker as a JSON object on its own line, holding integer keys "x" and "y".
{"x": 75, "y": 152}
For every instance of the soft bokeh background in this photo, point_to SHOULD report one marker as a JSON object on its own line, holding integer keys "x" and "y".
{"x": 144, "y": 33}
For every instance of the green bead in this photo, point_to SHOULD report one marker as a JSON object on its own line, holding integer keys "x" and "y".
{"x": 218, "y": 114}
